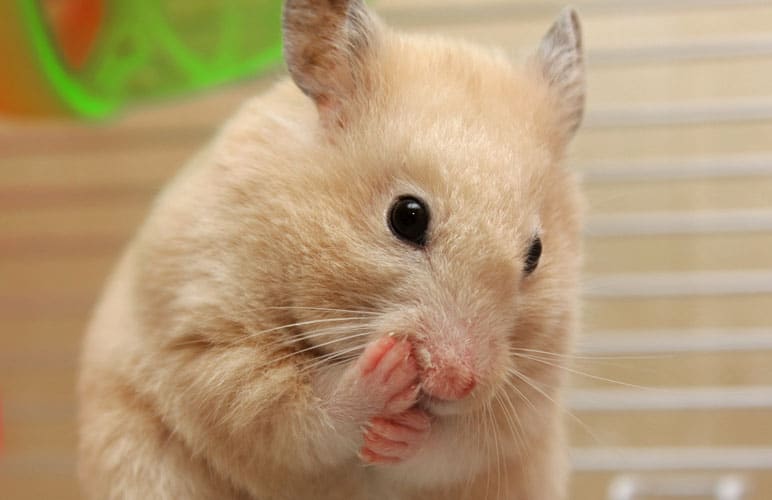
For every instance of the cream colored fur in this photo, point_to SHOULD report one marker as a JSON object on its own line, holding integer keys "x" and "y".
{"x": 190, "y": 390}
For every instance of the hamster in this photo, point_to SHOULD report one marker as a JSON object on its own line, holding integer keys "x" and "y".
{"x": 342, "y": 296}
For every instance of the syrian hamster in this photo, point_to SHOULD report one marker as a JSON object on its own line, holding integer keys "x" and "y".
{"x": 354, "y": 291}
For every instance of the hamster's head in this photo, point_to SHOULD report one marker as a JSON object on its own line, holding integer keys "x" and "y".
{"x": 419, "y": 193}
{"x": 436, "y": 198}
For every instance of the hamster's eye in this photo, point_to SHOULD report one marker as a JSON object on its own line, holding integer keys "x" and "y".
{"x": 409, "y": 219}
{"x": 532, "y": 258}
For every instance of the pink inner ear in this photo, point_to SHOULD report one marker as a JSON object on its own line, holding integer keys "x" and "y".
{"x": 324, "y": 103}
{"x": 561, "y": 59}
{"x": 330, "y": 111}
{"x": 325, "y": 46}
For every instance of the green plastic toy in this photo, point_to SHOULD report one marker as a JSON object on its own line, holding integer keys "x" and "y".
{"x": 92, "y": 57}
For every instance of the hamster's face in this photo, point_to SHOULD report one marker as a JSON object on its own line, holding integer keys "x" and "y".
{"x": 423, "y": 197}
{"x": 440, "y": 214}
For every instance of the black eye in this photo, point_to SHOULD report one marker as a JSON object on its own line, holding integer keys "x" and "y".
{"x": 532, "y": 258}
{"x": 409, "y": 219}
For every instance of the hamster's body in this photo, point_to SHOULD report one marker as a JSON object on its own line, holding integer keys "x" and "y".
{"x": 268, "y": 335}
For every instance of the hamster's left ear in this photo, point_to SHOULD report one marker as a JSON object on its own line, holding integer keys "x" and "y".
{"x": 328, "y": 45}
{"x": 561, "y": 63}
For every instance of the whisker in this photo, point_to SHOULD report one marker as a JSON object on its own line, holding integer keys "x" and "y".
{"x": 607, "y": 357}
{"x": 560, "y": 407}
{"x": 470, "y": 424}
{"x": 372, "y": 312}
{"x": 333, "y": 330}
{"x": 281, "y": 343}
{"x": 594, "y": 361}
{"x": 518, "y": 432}
{"x": 306, "y": 323}
{"x": 487, "y": 421}
{"x": 307, "y": 349}
{"x": 332, "y": 359}
{"x": 514, "y": 422}
{"x": 499, "y": 454}
{"x": 583, "y": 374}
{"x": 520, "y": 393}
{"x": 323, "y": 344}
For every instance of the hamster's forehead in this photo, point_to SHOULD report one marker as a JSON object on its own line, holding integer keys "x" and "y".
{"x": 448, "y": 103}
{"x": 429, "y": 80}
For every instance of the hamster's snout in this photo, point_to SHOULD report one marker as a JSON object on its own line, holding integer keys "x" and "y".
{"x": 449, "y": 385}
{"x": 446, "y": 374}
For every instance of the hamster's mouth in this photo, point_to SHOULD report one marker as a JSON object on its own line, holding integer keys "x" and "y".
{"x": 441, "y": 407}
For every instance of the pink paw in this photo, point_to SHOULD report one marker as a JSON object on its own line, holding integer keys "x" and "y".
{"x": 388, "y": 376}
{"x": 383, "y": 386}
{"x": 395, "y": 439}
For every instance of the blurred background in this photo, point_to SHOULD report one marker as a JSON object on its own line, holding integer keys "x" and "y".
{"x": 101, "y": 102}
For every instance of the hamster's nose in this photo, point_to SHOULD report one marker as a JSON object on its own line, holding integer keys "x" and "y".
{"x": 449, "y": 383}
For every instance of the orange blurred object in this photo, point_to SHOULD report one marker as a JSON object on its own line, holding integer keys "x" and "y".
{"x": 75, "y": 24}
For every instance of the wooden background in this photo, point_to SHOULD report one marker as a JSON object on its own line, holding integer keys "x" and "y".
{"x": 677, "y": 158}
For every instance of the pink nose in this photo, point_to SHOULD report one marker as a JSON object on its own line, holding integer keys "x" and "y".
{"x": 450, "y": 383}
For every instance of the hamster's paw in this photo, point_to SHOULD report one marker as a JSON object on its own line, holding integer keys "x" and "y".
{"x": 391, "y": 440}
{"x": 388, "y": 376}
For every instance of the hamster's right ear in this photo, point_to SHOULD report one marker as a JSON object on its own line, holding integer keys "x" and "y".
{"x": 327, "y": 47}
{"x": 561, "y": 64}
